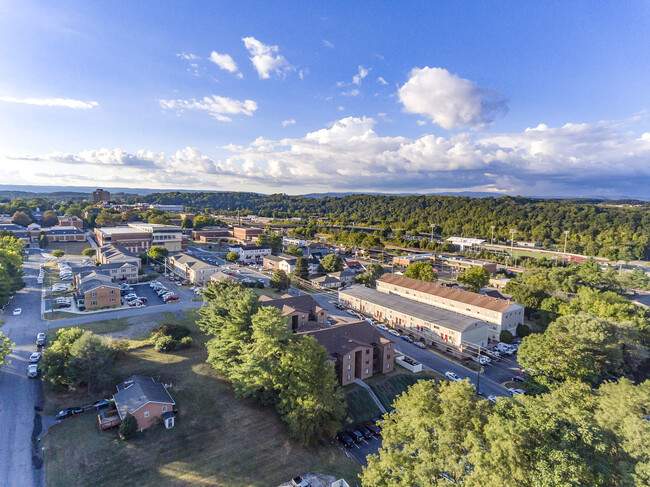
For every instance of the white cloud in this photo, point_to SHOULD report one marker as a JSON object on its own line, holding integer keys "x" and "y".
{"x": 265, "y": 58}
{"x": 421, "y": 122}
{"x": 286, "y": 123}
{"x": 382, "y": 81}
{"x": 218, "y": 107}
{"x": 352, "y": 92}
{"x": 450, "y": 101}
{"x": 188, "y": 57}
{"x": 340, "y": 108}
{"x": 224, "y": 61}
{"x": 357, "y": 78}
{"x": 327, "y": 43}
{"x": 53, "y": 102}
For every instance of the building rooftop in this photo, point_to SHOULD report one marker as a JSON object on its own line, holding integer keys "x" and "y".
{"x": 454, "y": 294}
{"x": 340, "y": 339}
{"x": 190, "y": 261}
{"x": 426, "y": 312}
{"x": 120, "y": 231}
{"x": 138, "y": 390}
{"x": 294, "y": 303}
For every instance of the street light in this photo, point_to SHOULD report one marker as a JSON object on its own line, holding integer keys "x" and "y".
{"x": 432, "y": 227}
{"x": 512, "y": 241}
{"x": 492, "y": 237}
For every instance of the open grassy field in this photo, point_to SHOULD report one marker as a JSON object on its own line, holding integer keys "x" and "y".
{"x": 219, "y": 439}
{"x": 70, "y": 248}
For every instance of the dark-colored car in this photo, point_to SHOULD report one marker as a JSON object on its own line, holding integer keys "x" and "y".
{"x": 345, "y": 439}
{"x": 519, "y": 378}
{"x": 66, "y": 413}
{"x": 300, "y": 482}
{"x": 367, "y": 434}
{"x": 40, "y": 339}
{"x": 407, "y": 339}
{"x": 102, "y": 404}
{"x": 372, "y": 426}
{"x": 356, "y": 435}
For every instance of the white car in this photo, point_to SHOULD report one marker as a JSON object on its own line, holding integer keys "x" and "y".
{"x": 32, "y": 371}
{"x": 382, "y": 327}
{"x": 394, "y": 333}
{"x": 492, "y": 398}
{"x": 35, "y": 357}
{"x": 421, "y": 345}
{"x": 350, "y": 312}
{"x": 452, "y": 377}
{"x": 516, "y": 392}
{"x": 17, "y": 311}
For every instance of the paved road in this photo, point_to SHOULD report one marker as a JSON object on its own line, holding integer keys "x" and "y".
{"x": 18, "y": 394}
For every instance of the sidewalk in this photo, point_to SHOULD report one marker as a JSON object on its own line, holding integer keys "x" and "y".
{"x": 372, "y": 395}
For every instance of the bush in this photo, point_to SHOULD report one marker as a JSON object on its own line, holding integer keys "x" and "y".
{"x": 120, "y": 347}
{"x": 506, "y": 336}
{"x": 185, "y": 342}
{"x": 129, "y": 427}
{"x": 163, "y": 343}
{"x": 58, "y": 253}
{"x": 259, "y": 285}
{"x": 523, "y": 330}
{"x": 173, "y": 330}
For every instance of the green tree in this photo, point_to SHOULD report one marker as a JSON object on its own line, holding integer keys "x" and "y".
{"x": 56, "y": 356}
{"x": 158, "y": 253}
{"x": 42, "y": 240}
{"x": 582, "y": 347}
{"x": 90, "y": 361}
{"x": 475, "y": 278}
{"x": 108, "y": 219}
{"x": 505, "y": 336}
{"x": 58, "y": 253}
{"x": 187, "y": 223}
{"x": 50, "y": 218}
{"x": 21, "y": 218}
{"x": 294, "y": 250}
{"x": 301, "y": 269}
{"x": 421, "y": 270}
{"x": 332, "y": 263}
{"x": 232, "y": 256}
{"x": 128, "y": 427}
{"x": 5, "y": 349}
{"x": 280, "y": 281}
{"x": 89, "y": 252}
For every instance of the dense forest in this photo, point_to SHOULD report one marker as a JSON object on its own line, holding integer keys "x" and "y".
{"x": 615, "y": 232}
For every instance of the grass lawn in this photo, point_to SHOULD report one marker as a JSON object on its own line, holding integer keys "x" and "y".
{"x": 361, "y": 407}
{"x": 103, "y": 326}
{"x": 219, "y": 439}
{"x": 267, "y": 291}
{"x": 388, "y": 389}
{"x": 70, "y": 248}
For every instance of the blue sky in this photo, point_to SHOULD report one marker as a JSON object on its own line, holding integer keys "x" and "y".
{"x": 530, "y": 98}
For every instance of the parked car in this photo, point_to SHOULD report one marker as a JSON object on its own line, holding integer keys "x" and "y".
{"x": 382, "y": 327}
{"x": 356, "y": 435}
{"x": 373, "y": 426}
{"x": 40, "y": 339}
{"x": 421, "y": 345}
{"x": 516, "y": 392}
{"x": 35, "y": 357}
{"x": 350, "y": 312}
{"x": 66, "y": 413}
{"x": 370, "y": 320}
{"x": 367, "y": 434}
{"x": 452, "y": 377}
{"x": 345, "y": 439}
{"x": 394, "y": 333}
{"x": 173, "y": 297}
{"x": 492, "y": 398}
{"x": 17, "y": 311}
{"x": 32, "y": 371}
{"x": 135, "y": 302}
{"x": 102, "y": 404}
{"x": 300, "y": 482}
{"x": 407, "y": 339}
{"x": 519, "y": 378}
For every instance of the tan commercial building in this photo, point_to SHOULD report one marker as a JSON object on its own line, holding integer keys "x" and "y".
{"x": 246, "y": 233}
{"x": 140, "y": 237}
{"x": 65, "y": 234}
{"x": 407, "y": 260}
{"x": 501, "y": 314}
{"x": 433, "y": 325}
{"x": 211, "y": 234}
{"x": 191, "y": 268}
{"x": 356, "y": 350}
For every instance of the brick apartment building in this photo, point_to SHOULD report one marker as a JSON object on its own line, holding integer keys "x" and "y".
{"x": 301, "y": 311}
{"x": 110, "y": 254}
{"x": 246, "y": 233}
{"x": 97, "y": 291}
{"x": 100, "y": 195}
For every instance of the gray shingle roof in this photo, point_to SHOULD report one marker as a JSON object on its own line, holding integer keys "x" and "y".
{"x": 138, "y": 390}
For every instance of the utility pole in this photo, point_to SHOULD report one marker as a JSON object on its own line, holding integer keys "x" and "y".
{"x": 566, "y": 236}
{"x": 492, "y": 237}
{"x": 478, "y": 371}
{"x": 432, "y": 227}
{"x": 512, "y": 241}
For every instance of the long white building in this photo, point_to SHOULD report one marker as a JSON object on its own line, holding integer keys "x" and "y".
{"x": 501, "y": 314}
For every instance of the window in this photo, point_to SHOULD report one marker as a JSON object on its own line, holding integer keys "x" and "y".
{"x": 388, "y": 356}
{"x": 93, "y": 303}
{"x": 146, "y": 414}
{"x": 349, "y": 357}
{"x": 112, "y": 291}
{"x": 93, "y": 294}
{"x": 349, "y": 367}
{"x": 367, "y": 351}
{"x": 388, "y": 366}
{"x": 348, "y": 377}
{"x": 388, "y": 347}
{"x": 112, "y": 300}
{"x": 366, "y": 371}
{"x": 164, "y": 409}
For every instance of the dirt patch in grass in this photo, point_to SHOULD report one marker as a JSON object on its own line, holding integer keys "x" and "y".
{"x": 219, "y": 439}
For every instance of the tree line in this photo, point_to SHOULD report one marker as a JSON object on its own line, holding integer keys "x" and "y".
{"x": 254, "y": 348}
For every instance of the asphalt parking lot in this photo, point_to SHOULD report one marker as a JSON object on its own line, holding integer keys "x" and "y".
{"x": 143, "y": 290}
{"x": 364, "y": 448}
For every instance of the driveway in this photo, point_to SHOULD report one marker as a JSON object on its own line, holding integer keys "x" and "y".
{"x": 18, "y": 394}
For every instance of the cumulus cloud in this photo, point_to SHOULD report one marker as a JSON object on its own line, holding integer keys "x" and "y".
{"x": 421, "y": 122}
{"x": 449, "y": 100}
{"x": 224, "y": 61}
{"x": 52, "y": 102}
{"x": 218, "y": 107}
{"x": 573, "y": 159}
{"x": 382, "y": 81}
{"x": 286, "y": 123}
{"x": 352, "y": 92}
{"x": 265, "y": 58}
{"x": 187, "y": 56}
{"x": 358, "y": 78}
